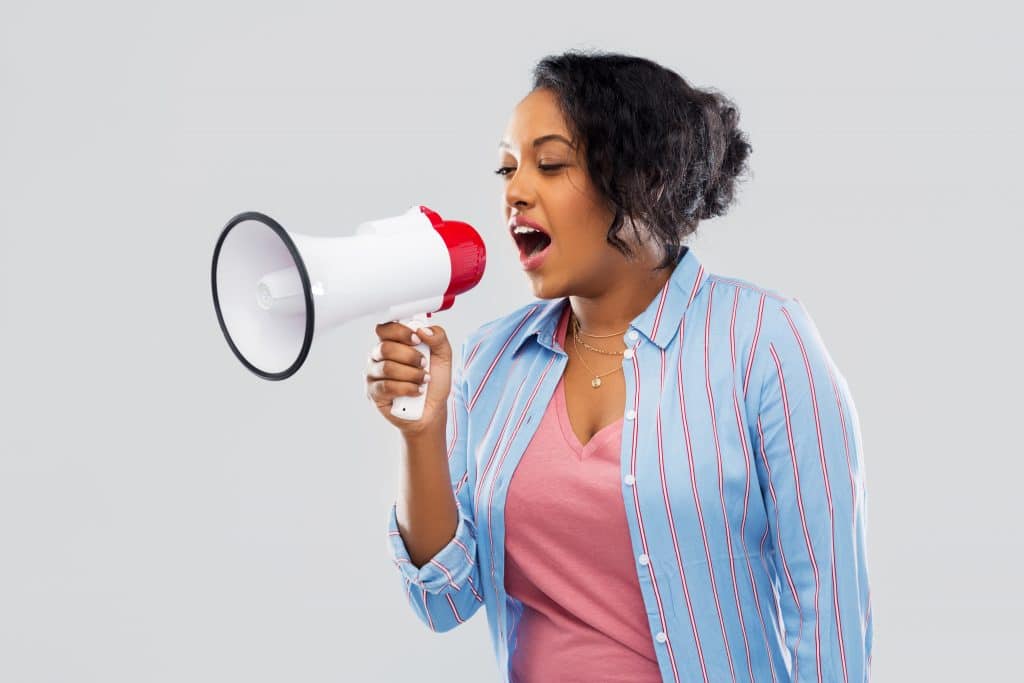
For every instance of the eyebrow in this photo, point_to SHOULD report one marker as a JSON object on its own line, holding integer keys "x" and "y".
{"x": 542, "y": 139}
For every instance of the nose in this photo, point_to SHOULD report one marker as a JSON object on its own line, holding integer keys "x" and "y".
{"x": 518, "y": 190}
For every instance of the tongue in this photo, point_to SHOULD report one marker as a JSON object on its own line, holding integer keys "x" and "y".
{"x": 540, "y": 243}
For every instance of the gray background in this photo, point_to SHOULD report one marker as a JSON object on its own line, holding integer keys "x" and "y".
{"x": 167, "y": 516}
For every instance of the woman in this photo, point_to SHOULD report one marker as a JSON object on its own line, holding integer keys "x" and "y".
{"x": 654, "y": 473}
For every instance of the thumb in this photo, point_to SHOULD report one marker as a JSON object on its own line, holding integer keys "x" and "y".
{"x": 436, "y": 339}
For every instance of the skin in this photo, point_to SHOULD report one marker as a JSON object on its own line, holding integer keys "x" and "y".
{"x": 606, "y": 289}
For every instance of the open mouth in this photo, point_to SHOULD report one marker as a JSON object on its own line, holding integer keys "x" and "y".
{"x": 531, "y": 242}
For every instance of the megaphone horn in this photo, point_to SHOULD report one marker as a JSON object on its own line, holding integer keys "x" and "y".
{"x": 275, "y": 291}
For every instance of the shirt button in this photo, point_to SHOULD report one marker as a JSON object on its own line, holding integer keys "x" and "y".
{"x": 631, "y": 414}
{"x": 629, "y": 479}
{"x": 628, "y": 353}
{"x": 644, "y": 560}
{"x": 661, "y": 637}
{"x": 632, "y": 335}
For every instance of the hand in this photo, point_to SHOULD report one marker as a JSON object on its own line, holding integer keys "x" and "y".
{"x": 394, "y": 369}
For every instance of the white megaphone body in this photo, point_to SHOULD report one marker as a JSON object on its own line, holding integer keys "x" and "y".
{"x": 275, "y": 291}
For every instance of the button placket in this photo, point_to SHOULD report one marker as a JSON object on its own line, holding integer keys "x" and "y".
{"x": 630, "y": 480}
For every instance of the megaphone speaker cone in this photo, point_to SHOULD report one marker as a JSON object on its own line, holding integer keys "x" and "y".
{"x": 262, "y": 295}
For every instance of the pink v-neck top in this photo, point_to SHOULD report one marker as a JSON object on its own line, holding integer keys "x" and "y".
{"x": 568, "y": 558}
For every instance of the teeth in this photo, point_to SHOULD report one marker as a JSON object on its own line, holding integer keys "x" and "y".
{"x": 524, "y": 229}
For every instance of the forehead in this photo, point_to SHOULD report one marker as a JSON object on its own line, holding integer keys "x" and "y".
{"x": 536, "y": 115}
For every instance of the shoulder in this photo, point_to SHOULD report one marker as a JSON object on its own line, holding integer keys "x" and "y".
{"x": 774, "y": 307}
{"x": 505, "y": 321}
{"x": 506, "y": 330}
{"x": 504, "y": 326}
{"x": 776, "y": 323}
{"x": 746, "y": 289}
{"x": 791, "y": 350}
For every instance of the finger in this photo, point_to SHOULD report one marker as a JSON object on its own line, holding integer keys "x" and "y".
{"x": 389, "y": 369}
{"x": 431, "y": 335}
{"x": 387, "y": 389}
{"x": 396, "y": 331}
{"x": 399, "y": 352}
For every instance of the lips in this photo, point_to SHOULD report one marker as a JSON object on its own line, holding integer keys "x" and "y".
{"x": 529, "y": 242}
{"x": 519, "y": 219}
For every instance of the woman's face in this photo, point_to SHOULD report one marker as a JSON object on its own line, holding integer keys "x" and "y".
{"x": 546, "y": 181}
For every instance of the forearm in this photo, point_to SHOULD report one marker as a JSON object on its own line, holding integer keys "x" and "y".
{"x": 426, "y": 510}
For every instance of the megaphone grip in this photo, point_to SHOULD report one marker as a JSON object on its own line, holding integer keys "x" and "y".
{"x": 411, "y": 407}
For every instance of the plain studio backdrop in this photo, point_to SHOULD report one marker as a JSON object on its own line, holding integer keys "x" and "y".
{"x": 165, "y": 515}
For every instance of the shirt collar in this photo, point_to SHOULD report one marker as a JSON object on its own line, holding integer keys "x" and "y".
{"x": 659, "y": 322}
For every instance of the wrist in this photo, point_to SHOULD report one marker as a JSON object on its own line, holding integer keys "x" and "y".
{"x": 430, "y": 433}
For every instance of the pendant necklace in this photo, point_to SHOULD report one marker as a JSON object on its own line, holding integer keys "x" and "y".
{"x": 596, "y": 382}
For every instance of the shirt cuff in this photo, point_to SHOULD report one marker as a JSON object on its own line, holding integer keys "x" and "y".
{"x": 449, "y": 568}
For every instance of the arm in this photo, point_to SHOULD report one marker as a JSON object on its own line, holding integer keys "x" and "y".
{"x": 441, "y": 577}
{"x": 810, "y": 462}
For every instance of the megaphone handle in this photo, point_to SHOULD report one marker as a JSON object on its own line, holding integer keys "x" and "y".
{"x": 411, "y": 407}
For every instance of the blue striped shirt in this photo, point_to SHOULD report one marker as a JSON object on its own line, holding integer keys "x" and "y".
{"x": 742, "y": 475}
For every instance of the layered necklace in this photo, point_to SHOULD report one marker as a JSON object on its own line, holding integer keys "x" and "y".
{"x": 577, "y": 332}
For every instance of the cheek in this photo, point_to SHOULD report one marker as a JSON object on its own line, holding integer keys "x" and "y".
{"x": 590, "y": 216}
{"x": 582, "y": 220}
{"x": 575, "y": 213}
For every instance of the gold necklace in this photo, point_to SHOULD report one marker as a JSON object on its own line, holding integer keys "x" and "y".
{"x": 596, "y": 382}
{"x": 593, "y": 348}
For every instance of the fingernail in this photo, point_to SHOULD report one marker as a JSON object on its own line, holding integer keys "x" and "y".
{"x": 415, "y": 339}
{"x": 423, "y": 387}
{"x": 427, "y": 331}
{"x": 426, "y": 377}
{"x": 423, "y": 361}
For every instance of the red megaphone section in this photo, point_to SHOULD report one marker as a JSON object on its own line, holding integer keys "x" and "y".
{"x": 466, "y": 251}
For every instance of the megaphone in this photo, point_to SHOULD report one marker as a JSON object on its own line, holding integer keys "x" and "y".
{"x": 275, "y": 291}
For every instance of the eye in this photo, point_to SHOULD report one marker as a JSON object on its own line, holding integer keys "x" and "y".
{"x": 505, "y": 170}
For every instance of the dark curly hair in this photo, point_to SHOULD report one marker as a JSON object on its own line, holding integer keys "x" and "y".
{"x": 660, "y": 151}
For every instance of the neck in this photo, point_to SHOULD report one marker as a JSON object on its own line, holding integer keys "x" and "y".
{"x": 613, "y": 309}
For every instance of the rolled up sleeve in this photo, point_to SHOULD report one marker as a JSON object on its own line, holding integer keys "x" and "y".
{"x": 444, "y": 591}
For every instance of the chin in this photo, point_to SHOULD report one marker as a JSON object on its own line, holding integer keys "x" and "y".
{"x": 544, "y": 287}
